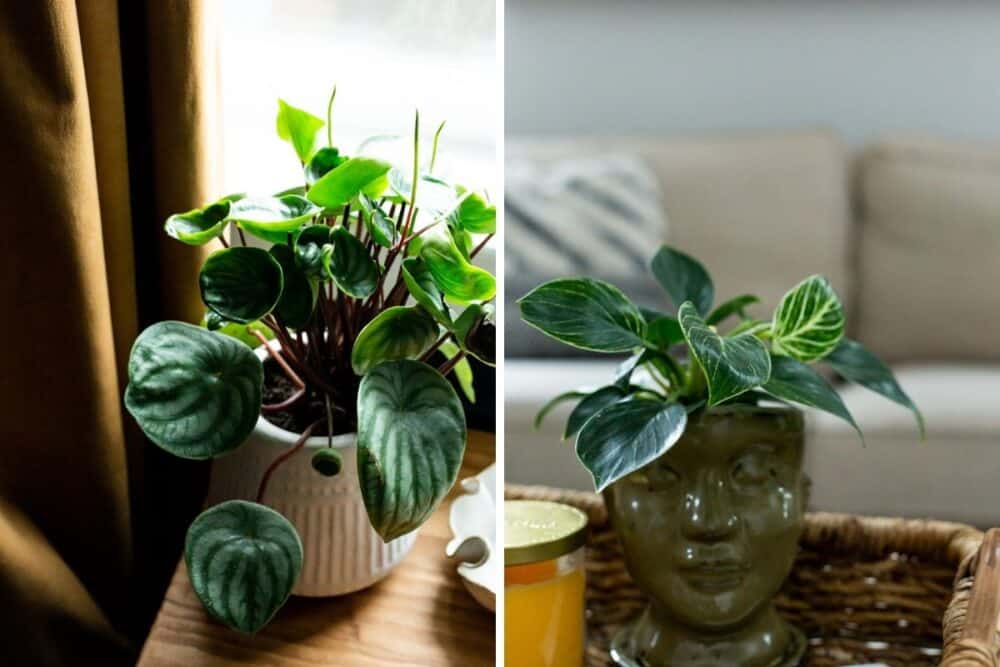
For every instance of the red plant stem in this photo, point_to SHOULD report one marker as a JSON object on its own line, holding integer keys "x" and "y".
{"x": 447, "y": 366}
{"x": 222, "y": 239}
{"x": 243, "y": 239}
{"x": 285, "y": 404}
{"x": 274, "y": 354}
{"x": 299, "y": 444}
{"x": 482, "y": 244}
{"x": 434, "y": 348}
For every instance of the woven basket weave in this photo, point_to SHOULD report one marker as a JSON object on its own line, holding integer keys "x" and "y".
{"x": 892, "y": 591}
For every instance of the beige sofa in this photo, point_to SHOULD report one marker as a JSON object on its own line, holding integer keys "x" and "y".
{"x": 907, "y": 230}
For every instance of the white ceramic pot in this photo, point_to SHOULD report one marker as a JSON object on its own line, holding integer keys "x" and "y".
{"x": 342, "y": 553}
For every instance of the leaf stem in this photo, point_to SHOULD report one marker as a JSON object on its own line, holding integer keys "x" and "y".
{"x": 482, "y": 244}
{"x": 329, "y": 117}
{"x": 299, "y": 444}
{"x": 434, "y": 147}
{"x": 447, "y": 366}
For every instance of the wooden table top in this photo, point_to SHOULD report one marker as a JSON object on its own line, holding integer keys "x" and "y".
{"x": 420, "y": 615}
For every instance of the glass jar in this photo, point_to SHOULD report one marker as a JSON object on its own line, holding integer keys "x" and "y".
{"x": 544, "y": 584}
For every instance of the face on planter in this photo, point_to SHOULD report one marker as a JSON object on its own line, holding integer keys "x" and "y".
{"x": 710, "y": 529}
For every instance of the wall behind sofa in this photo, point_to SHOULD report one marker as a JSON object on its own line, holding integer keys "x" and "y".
{"x": 631, "y": 67}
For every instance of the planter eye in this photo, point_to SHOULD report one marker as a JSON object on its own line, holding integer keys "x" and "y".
{"x": 411, "y": 438}
{"x": 195, "y": 393}
{"x": 243, "y": 560}
{"x": 327, "y": 462}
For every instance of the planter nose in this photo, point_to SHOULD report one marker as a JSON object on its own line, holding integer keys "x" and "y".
{"x": 709, "y": 514}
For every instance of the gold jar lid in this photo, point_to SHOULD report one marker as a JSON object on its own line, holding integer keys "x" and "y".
{"x": 538, "y": 530}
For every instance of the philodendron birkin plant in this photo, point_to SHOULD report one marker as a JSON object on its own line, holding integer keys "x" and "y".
{"x": 367, "y": 275}
{"x": 698, "y": 356}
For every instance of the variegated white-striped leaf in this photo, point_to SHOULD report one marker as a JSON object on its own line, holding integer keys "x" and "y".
{"x": 243, "y": 560}
{"x": 809, "y": 321}
{"x": 195, "y": 393}
{"x": 732, "y": 364}
{"x": 411, "y": 438}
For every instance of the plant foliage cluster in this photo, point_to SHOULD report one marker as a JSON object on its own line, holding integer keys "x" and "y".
{"x": 697, "y": 356}
{"x": 362, "y": 272}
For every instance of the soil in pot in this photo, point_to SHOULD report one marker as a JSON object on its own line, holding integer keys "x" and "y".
{"x": 309, "y": 409}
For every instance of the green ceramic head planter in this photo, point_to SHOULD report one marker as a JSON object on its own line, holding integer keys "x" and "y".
{"x": 697, "y": 447}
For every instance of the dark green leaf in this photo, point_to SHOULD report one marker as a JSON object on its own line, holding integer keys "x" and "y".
{"x": 684, "y": 279}
{"x": 381, "y": 227}
{"x": 347, "y": 181}
{"x": 400, "y": 332}
{"x": 298, "y": 294}
{"x": 272, "y": 218}
{"x": 855, "y": 363}
{"x": 585, "y": 313}
{"x": 731, "y": 365}
{"x": 475, "y": 332}
{"x": 299, "y": 128}
{"x": 241, "y": 284}
{"x": 199, "y": 226}
{"x": 552, "y": 403}
{"x": 456, "y": 277}
{"x": 243, "y": 560}
{"x": 625, "y": 436}
{"x": 664, "y": 332}
{"x": 309, "y": 245}
{"x": 462, "y": 370}
{"x": 731, "y": 307}
{"x": 195, "y": 393}
{"x": 424, "y": 290}
{"x": 474, "y": 214}
{"x": 411, "y": 439}
{"x": 793, "y": 381}
{"x": 590, "y": 406}
{"x": 809, "y": 321}
{"x": 325, "y": 160}
{"x": 350, "y": 265}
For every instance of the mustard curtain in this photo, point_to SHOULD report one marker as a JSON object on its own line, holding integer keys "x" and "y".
{"x": 107, "y": 124}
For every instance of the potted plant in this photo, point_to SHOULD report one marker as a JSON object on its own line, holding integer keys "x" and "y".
{"x": 697, "y": 448}
{"x": 352, "y": 283}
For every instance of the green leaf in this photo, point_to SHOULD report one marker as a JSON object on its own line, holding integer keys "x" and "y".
{"x": 855, "y": 363}
{"x": 553, "y": 402}
{"x": 731, "y": 365}
{"x": 309, "y": 246}
{"x": 663, "y": 332}
{"x": 381, "y": 227}
{"x": 424, "y": 290}
{"x": 590, "y": 406}
{"x": 793, "y": 381}
{"x": 347, "y": 181}
{"x": 684, "y": 278}
{"x": 474, "y": 214}
{"x": 298, "y": 293}
{"x": 237, "y": 331}
{"x": 625, "y": 436}
{"x": 272, "y": 218}
{"x": 324, "y": 161}
{"x": 809, "y": 321}
{"x": 462, "y": 370}
{"x": 454, "y": 274}
{"x": 731, "y": 307}
{"x": 400, "y": 332}
{"x": 199, "y": 226}
{"x": 299, "y": 128}
{"x": 585, "y": 313}
{"x": 350, "y": 265}
{"x": 411, "y": 439}
{"x": 434, "y": 195}
{"x": 194, "y": 393}
{"x": 241, "y": 284}
{"x": 475, "y": 332}
{"x": 243, "y": 560}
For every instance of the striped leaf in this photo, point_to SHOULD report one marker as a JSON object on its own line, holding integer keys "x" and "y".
{"x": 243, "y": 560}
{"x": 195, "y": 393}
{"x": 591, "y": 405}
{"x": 625, "y": 436}
{"x": 585, "y": 313}
{"x": 241, "y": 284}
{"x": 732, "y": 365}
{"x": 350, "y": 265}
{"x": 809, "y": 321}
{"x": 400, "y": 332}
{"x": 411, "y": 438}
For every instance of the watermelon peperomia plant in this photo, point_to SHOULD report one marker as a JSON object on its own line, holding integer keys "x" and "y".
{"x": 689, "y": 364}
{"x": 366, "y": 275}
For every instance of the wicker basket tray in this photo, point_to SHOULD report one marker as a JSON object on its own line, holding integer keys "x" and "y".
{"x": 892, "y": 591}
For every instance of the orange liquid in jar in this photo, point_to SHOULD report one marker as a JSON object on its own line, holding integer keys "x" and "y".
{"x": 543, "y": 615}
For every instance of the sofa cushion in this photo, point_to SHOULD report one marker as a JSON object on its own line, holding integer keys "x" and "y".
{"x": 930, "y": 251}
{"x": 762, "y": 210}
